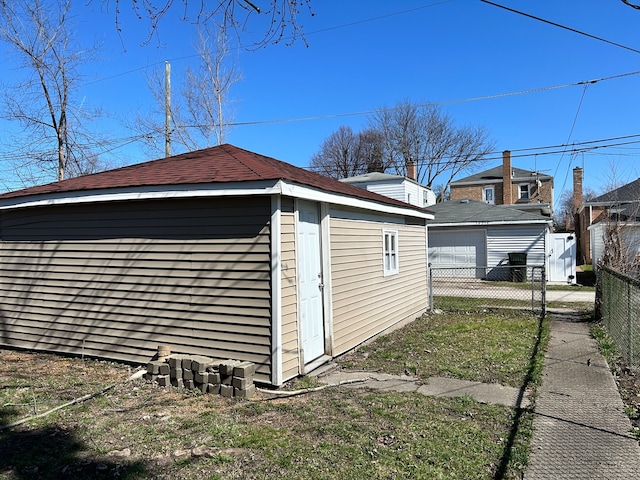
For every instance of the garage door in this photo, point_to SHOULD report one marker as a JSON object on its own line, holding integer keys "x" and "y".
{"x": 459, "y": 249}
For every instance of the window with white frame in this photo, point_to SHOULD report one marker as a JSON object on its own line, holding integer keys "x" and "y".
{"x": 488, "y": 195}
{"x": 390, "y": 247}
{"x": 524, "y": 191}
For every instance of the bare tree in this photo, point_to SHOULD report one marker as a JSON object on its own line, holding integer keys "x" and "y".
{"x": 425, "y": 135}
{"x": 201, "y": 113}
{"x": 207, "y": 89}
{"x": 278, "y": 21}
{"x": 565, "y": 210}
{"x": 43, "y": 102}
{"x": 339, "y": 155}
{"x": 621, "y": 250}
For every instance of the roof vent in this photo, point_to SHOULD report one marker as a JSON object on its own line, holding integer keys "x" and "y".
{"x": 464, "y": 200}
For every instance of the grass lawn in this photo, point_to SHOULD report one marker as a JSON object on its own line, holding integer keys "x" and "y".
{"x": 138, "y": 430}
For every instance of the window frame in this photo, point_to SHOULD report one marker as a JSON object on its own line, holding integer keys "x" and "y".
{"x": 390, "y": 252}
{"x": 520, "y": 197}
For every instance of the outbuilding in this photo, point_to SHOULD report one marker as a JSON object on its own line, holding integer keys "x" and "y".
{"x": 475, "y": 237}
{"x": 220, "y": 252}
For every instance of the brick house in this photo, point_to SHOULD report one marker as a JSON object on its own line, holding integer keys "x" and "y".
{"x": 526, "y": 190}
{"x": 621, "y": 204}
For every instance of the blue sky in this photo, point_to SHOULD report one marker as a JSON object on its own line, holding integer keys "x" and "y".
{"x": 362, "y": 56}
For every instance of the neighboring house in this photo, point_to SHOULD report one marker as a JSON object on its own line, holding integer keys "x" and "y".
{"x": 219, "y": 252}
{"x": 395, "y": 186}
{"x": 621, "y": 205}
{"x": 478, "y": 237}
{"x": 629, "y": 235}
{"x": 525, "y": 190}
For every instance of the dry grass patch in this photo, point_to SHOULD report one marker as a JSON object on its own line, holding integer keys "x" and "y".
{"x": 137, "y": 430}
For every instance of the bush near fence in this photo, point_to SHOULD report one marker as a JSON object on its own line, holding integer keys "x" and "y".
{"x": 618, "y": 297}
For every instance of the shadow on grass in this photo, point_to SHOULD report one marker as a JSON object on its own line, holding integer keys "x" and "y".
{"x": 54, "y": 452}
{"x": 520, "y": 412}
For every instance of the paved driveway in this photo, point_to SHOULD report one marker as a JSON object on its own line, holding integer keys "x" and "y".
{"x": 480, "y": 289}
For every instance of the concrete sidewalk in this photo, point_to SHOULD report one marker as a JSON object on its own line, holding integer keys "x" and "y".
{"x": 580, "y": 428}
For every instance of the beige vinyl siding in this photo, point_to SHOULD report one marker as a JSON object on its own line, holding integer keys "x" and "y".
{"x": 290, "y": 363}
{"x": 365, "y": 302}
{"x": 115, "y": 280}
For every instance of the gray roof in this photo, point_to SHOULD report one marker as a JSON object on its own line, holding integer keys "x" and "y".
{"x": 624, "y": 200}
{"x": 495, "y": 174}
{"x": 471, "y": 212}
{"x": 626, "y": 193}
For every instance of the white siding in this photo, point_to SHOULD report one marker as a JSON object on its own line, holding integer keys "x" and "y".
{"x": 391, "y": 190}
{"x": 403, "y": 190}
{"x": 526, "y": 238}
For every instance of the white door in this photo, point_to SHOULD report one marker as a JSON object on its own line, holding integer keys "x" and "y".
{"x": 310, "y": 286}
{"x": 562, "y": 258}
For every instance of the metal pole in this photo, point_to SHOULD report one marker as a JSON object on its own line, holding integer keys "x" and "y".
{"x": 430, "y": 288}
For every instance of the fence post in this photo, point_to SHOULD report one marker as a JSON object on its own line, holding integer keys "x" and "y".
{"x": 544, "y": 292}
{"x": 430, "y": 287}
{"x": 630, "y": 321}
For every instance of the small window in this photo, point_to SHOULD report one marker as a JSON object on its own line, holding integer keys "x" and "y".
{"x": 390, "y": 246}
{"x": 488, "y": 195}
{"x": 524, "y": 191}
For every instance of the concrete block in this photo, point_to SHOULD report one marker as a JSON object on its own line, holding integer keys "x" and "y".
{"x": 244, "y": 369}
{"x": 186, "y": 363}
{"x": 164, "y": 380}
{"x": 242, "y": 383}
{"x": 175, "y": 361}
{"x": 150, "y": 377}
{"x": 153, "y": 367}
{"x": 227, "y": 366}
{"x": 189, "y": 384}
{"x": 215, "y": 368}
{"x": 201, "y": 377}
{"x": 177, "y": 382}
{"x": 200, "y": 363}
{"x": 214, "y": 377}
{"x": 213, "y": 388}
{"x": 164, "y": 369}
{"x": 175, "y": 372}
{"x": 226, "y": 391}
{"x": 187, "y": 374}
{"x": 203, "y": 387}
{"x": 226, "y": 379}
{"x": 248, "y": 392}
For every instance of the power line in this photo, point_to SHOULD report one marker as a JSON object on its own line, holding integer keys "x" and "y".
{"x": 573, "y": 125}
{"x": 573, "y": 149}
{"x": 561, "y": 26}
{"x": 441, "y": 103}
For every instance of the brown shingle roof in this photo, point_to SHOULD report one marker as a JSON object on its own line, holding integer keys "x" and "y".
{"x": 221, "y": 164}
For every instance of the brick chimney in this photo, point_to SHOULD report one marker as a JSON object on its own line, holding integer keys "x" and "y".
{"x": 412, "y": 170}
{"x": 577, "y": 189}
{"x": 507, "y": 173}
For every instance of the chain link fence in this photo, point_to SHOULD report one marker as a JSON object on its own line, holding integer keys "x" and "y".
{"x": 520, "y": 286}
{"x": 619, "y": 299}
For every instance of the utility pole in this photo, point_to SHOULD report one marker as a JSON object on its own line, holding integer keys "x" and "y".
{"x": 167, "y": 109}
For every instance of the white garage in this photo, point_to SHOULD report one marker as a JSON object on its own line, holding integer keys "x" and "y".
{"x": 476, "y": 238}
